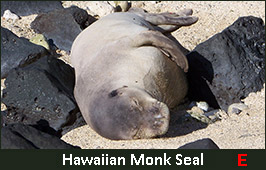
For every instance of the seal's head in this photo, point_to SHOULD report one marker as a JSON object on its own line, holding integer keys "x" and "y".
{"x": 129, "y": 113}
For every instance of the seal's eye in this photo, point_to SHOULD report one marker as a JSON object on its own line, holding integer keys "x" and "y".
{"x": 113, "y": 93}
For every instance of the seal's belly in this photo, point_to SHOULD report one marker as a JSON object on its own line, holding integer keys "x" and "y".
{"x": 159, "y": 76}
{"x": 168, "y": 83}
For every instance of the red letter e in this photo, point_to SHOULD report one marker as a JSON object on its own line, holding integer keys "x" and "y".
{"x": 240, "y": 160}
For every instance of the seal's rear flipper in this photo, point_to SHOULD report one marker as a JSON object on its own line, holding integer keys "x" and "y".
{"x": 167, "y": 46}
{"x": 167, "y": 22}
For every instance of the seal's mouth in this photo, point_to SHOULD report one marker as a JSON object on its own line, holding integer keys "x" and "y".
{"x": 161, "y": 119}
{"x": 155, "y": 122}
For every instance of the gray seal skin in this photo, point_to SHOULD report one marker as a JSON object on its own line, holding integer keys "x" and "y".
{"x": 128, "y": 73}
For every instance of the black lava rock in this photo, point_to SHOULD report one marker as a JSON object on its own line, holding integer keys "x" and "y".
{"x": 62, "y": 26}
{"x": 17, "y": 52}
{"x": 230, "y": 65}
{"x": 24, "y": 8}
{"x": 205, "y": 143}
{"x": 19, "y": 136}
{"x": 41, "y": 90}
{"x": 82, "y": 18}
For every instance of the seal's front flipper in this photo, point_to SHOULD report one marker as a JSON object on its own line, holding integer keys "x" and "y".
{"x": 167, "y": 46}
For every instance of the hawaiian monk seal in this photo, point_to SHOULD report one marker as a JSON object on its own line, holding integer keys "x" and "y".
{"x": 128, "y": 73}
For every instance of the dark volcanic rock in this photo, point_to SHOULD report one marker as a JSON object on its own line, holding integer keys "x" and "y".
{"x": 205, "y": 143}
{"x": 24, "y": 8}
{"x": 3, "y": 116}
{"x": 230, "y": 65}
{"x": 41, "y": 90}
{"x": 77, "y": 121}
{"x": 62, "y": 26}
{"x": 17, "y": 51}
{"x": 19, "y": 136}
{"x": 81, "y": 16}
{"x": 43, "y": 125}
